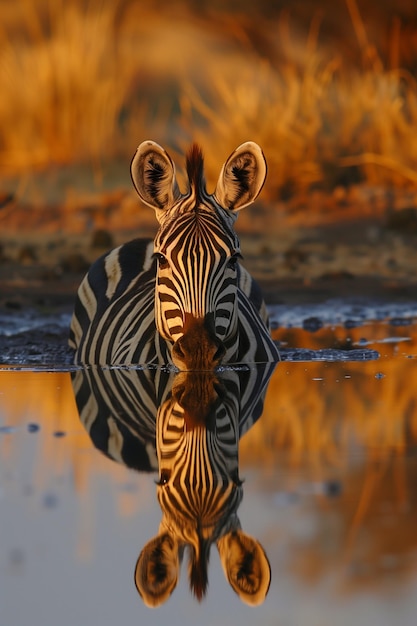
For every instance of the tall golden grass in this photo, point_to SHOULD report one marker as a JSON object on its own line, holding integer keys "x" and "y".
{"x": 64, "y": 84}
{"x": 86, "y": 81}
{"x": 321, "y": 122}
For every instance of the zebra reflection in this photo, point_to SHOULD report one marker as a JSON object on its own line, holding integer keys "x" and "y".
{"x": 187, "y": 427}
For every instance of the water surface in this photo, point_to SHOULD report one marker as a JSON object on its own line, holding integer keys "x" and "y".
{"x": 330, "y": 473}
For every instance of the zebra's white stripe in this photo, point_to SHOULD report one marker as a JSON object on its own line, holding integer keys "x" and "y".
{"x": 113, "y": 272}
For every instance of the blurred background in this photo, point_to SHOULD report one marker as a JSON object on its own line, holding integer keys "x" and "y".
{"x": 327, "y": 88}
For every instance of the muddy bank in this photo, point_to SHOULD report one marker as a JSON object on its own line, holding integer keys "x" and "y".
{"x": 356, "y": 243}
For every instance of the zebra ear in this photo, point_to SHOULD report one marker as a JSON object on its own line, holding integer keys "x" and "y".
{"x": 245, "y": 566}
{"x": 153, "y": 175}
{"x": 242, "y": 177}
{"x": 157, "y": 570}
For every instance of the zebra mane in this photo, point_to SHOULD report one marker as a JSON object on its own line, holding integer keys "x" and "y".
{"x": 195, "y": 170}
{"x": 197, "y": 569}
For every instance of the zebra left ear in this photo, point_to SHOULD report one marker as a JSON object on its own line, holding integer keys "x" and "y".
{"x": 157, "y": 570}
{"x": 153, "y": 175}
{"x": 242, "y": 177}
{"x": 245, "y": 566}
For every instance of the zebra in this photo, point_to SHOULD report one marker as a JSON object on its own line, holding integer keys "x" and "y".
{"x": 184, "y": 298}
{"x": 186, "y": 426}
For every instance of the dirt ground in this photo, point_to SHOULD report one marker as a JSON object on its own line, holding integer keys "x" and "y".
{"x": 347, "y": 243}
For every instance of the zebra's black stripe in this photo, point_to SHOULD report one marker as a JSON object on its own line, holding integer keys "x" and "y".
{"x": 133, "y": 416}
{"x": 131, "y": 310}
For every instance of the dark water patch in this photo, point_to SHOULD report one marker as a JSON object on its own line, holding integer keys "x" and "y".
{"x": 7, "y": 430}
{"x": 32, "y": 340}
{"x": 385, "y": 340}
{"x": 33, "y": 428}
{"x": 50, "y": 501}
{"x": 59, "y": 434}
{"x": 401, "y": 321}
{"x": 328, "y": 354}
{"x": 333, "y": 488}
{"x": 348, "y": 313}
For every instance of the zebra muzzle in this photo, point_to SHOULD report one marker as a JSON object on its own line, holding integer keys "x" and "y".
{"x": 198, "y": 348}
{"x": 199, "y": 394}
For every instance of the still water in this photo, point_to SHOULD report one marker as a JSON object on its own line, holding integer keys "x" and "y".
{"x": 329, "y": 491}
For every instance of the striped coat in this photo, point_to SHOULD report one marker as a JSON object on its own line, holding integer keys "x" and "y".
{"x": 183, "y": 298}
{"x": 187, "y": 427}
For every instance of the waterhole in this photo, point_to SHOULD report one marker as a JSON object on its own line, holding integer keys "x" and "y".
{"x": 329, "y": 471}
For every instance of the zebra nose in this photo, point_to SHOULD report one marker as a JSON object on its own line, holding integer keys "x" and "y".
{"x": 199, "y": 394}
{"x": 198, "y": 348}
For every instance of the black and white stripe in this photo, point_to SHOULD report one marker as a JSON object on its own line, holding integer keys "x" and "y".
{"x": 135, "y": 416}
{"x": 133, "y": 304}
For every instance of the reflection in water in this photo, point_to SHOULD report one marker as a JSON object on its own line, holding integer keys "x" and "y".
{"x": 187, "y": 426}
{"x": 330, "y": 490}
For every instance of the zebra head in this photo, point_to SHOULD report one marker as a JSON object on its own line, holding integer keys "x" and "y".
{"x": 199, "y": 491}
{"x": 197, "y": 249}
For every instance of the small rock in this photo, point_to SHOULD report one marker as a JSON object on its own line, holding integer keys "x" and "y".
{"x": 312, "y": 324}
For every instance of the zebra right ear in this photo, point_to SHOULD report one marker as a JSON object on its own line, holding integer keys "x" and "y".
{"x": 157, "y": 570}
{"x": 242, "y": 177}
{"x": 153, "y": 175}
{"x": 245, "y": 566}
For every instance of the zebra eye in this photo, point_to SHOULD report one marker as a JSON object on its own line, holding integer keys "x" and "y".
{"x": 232, "y": 262}
{"x": 165, "y": 476}
{"x": 162, "y": 260}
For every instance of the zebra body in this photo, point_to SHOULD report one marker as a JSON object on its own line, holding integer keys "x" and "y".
{"x": 186, "y": 426}
{"x": 149, "y": 302}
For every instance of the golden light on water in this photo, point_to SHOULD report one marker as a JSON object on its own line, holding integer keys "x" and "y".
{"x": 336, "y": 439}
{"x": 312, "y": 408}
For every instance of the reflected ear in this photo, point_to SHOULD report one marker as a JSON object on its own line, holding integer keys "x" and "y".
{"x": 242, "y": 177}
{"x": 153, "y": 175}
{"x": 157, "y": 570}
{"x": 245, "y": 566}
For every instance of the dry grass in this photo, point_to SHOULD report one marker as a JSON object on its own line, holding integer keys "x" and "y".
{"x": 320, "y": 123}
{"x": 64, "y": 83}
{"x": 86, "y": 81}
